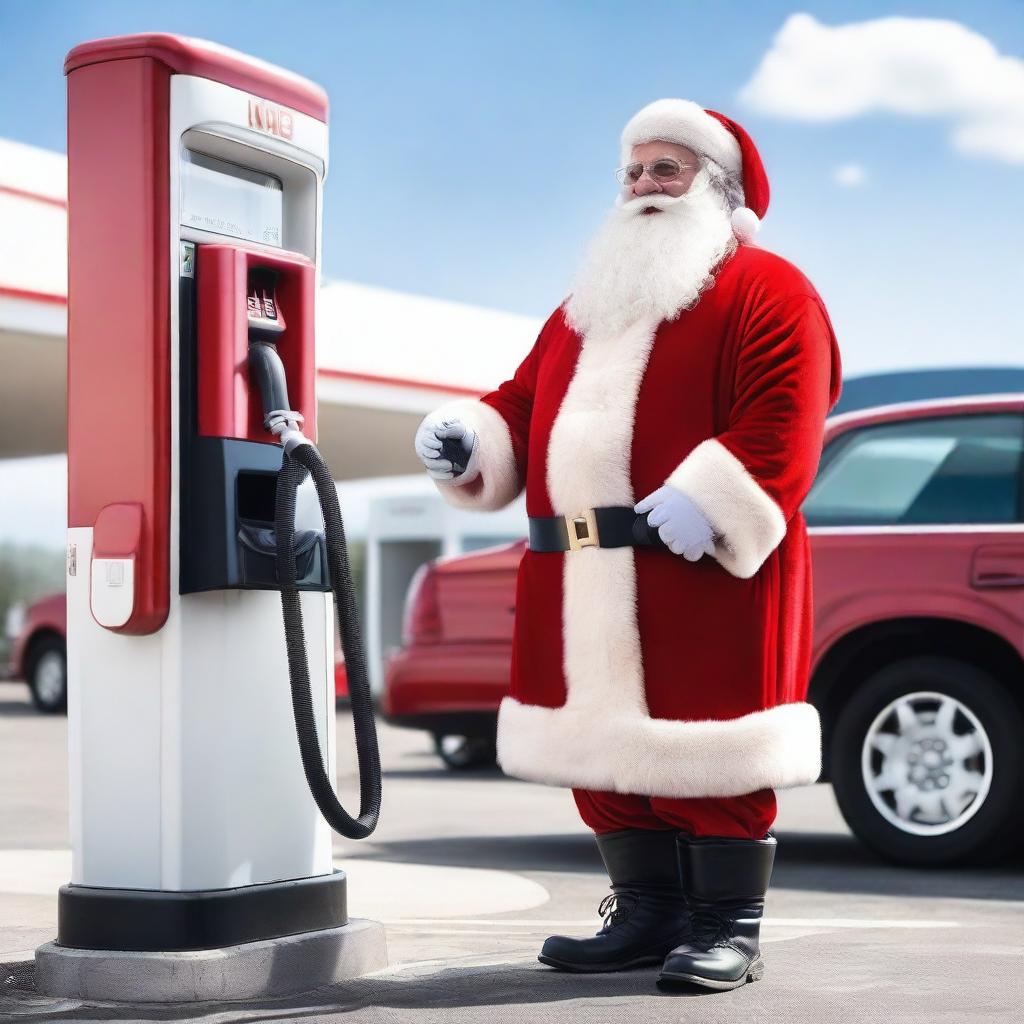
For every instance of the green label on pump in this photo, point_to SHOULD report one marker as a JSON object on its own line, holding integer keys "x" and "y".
{"x": 188, "y": 259}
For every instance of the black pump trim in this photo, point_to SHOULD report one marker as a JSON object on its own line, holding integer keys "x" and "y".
{"x": 142, "y": 920}
{"x": 227, "y": 490}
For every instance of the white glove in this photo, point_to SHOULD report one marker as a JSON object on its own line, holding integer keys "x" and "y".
{"x": 431, "y": 432}
{"x": 680, "y": 524}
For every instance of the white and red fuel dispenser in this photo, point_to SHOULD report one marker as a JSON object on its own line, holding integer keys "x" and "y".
{"x": 195, "y": 198}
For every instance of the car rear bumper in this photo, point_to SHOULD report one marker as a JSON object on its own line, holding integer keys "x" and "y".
{"x": 453, "y": 689}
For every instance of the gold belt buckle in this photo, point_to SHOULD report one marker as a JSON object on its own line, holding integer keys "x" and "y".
{"x": 589, "y": 538}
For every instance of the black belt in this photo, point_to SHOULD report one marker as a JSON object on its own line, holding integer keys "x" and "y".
{"x": 610, "y": 526}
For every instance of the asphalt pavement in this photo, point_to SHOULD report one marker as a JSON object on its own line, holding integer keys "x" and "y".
{"x": 470, "y": 872}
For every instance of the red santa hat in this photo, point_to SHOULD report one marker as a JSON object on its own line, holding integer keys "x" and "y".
{"x": 716, "y": 136}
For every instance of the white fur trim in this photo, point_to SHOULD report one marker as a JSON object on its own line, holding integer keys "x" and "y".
{"x": 748, "y": 520}
{"x": 745, "y": 223}
{"x": 589, "y": 465}
{"x": 498, "y": 482}
{"x": 591, "y": 438}
{"x": 592, "y": 747}
{"x": 603, "y": 736}
{"x": 686, "y": 123}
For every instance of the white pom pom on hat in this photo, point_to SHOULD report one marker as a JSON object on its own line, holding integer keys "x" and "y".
{"x": 713, "y": 134}
{"x": 745, "y": 223}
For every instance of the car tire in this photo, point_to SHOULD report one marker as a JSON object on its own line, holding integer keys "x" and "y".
{"x": 927, "y": 763}
{"x": 460, "y": 753}
{"x": 47, "y": 675}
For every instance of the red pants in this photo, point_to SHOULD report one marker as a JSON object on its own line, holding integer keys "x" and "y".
{"x": 746, "y": 817}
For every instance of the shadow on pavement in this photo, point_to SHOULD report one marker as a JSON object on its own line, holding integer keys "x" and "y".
{"x": 470, "y": 775}
{"x": 806, "y": 861}
{"x": 18, "y": 709}
{"x": 518, "y": 982}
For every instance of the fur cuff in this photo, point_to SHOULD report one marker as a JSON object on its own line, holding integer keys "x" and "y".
{"x": 777, "y": 748}
{"x": 498, "y": 482}
{"x": 748, "y": 521}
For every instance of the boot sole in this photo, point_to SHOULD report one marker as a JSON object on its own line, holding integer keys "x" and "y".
{"x": 755, "y": 972}
{"x": 565, "y": 965}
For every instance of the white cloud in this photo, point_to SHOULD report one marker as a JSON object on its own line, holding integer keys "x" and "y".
{"x": 919, "y": 67}
{"x": 849, "y": 175}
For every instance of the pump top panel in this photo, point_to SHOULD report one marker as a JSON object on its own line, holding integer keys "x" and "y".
{"x": 182, "y": 55}
{"x": 176, "y": 146}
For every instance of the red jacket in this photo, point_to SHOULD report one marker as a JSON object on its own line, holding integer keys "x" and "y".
{"x": 633, "y": 669}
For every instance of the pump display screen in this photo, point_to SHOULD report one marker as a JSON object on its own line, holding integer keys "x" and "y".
{"x": 230, "y": 200}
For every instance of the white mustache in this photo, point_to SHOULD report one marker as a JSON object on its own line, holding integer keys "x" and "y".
{"x": 660, "y": 200}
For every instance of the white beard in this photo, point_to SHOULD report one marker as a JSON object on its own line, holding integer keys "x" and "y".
{"x": 650, "y": 266}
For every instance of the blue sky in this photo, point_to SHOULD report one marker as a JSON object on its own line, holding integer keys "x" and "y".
{"x": 473, "y": 144}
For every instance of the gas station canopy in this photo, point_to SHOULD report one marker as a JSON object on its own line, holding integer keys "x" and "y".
{"x": 386, "y": 358}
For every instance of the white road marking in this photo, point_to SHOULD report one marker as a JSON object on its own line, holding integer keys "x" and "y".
{"x": 854, "y": 922}
{"x": 377, "y": 888}
{"x": 444, "y": 963}
{"x": 17, "y": 956}
{"x": 779, "y": 922}
{"x": 459, "y": 931}
{"x": 770, "y": 935}
{"x": 386, "y": 891}
{"x": 34, "y": 872}
{"x": 389, "y": 889}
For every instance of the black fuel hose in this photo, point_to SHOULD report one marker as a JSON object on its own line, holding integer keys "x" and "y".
{"x": 298, "y": 461}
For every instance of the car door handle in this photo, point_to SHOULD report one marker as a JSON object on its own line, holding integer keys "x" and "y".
{"x": 998, "y": 565}
{"x": 998, "y": 579}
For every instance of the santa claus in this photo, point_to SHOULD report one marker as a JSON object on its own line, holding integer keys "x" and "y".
{"x": 666, "y": 424}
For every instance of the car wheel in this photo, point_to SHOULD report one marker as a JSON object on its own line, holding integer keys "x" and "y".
{"x": 48, "y": 675}
{"x": 927, "y": 763}
{"x": 461, "y": 752}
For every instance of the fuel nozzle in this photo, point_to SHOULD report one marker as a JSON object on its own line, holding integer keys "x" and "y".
{"x": 265, "y": 318}
{"x": 266, "y": 325}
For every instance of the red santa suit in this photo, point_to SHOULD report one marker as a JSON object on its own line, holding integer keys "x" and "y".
{"x": 665, "y": 691}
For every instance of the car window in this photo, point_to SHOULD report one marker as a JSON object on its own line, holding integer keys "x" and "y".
{"x": 959, "y": 469}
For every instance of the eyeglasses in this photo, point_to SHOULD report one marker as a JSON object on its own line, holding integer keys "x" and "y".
{"x": 662, "y": 171}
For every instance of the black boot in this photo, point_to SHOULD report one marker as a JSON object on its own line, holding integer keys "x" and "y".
{"x": 725, "y": 881}
{"x": 646, "y": 914}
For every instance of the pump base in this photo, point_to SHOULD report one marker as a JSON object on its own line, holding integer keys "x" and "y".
{"x": 272, "y": 967}
{"x": 91, "y": 917}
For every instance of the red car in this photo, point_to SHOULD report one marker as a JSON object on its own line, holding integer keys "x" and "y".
{"x": 39, "y": 655}
{"x": 917, "y": 532}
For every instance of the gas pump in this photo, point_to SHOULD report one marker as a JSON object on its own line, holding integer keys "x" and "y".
{"x": 205, "y": 542}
